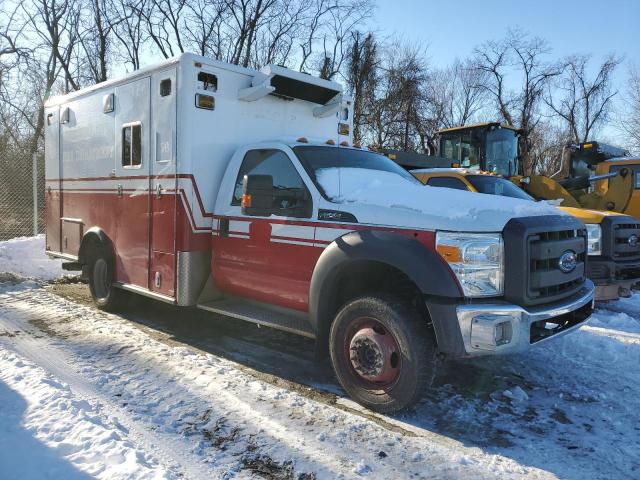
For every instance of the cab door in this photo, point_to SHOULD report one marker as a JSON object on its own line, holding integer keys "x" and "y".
{"x": 270, "y": 259}
{"x": 163, "y": 186}
{"x": 131, "y": 175}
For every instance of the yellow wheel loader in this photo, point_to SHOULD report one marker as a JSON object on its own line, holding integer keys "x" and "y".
{"x": 593, "y": 175}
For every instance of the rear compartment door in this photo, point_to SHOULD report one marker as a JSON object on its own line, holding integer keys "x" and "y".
{"x": 131, "y": 175}
{"x": 53, "y": 193}
{"x": 163, "y": 192}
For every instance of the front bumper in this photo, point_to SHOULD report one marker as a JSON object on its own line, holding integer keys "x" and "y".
{"x": 501, "y": 327}
{"x": 613, "y": 279}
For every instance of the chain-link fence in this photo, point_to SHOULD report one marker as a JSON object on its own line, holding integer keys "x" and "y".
{"x": 21, "y": 195}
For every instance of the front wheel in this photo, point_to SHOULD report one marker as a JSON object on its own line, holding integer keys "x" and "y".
{"x": 383, "y": 352}
{"x": 105, "y": 294}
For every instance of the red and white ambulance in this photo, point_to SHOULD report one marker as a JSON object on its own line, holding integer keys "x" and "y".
{"x": 205, "y": 184}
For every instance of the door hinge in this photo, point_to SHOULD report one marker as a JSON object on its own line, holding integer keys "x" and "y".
{"x": 158, "y": 279}
{"x": 119, "y": 190}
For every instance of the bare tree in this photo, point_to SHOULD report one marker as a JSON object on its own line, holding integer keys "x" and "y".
{"x": 58, "y": 26}
{"x": 629, "y": 117}
{"x": 583, "y": 103}
{"x": 203, "y": 24}
{"x": 362, "y": 79}
{"x": 397, "y": 117}
{"x": 164, "y": 23}
{"x": 11, "y": 30}
{"x": 342, "y": 19}
{"x": 455, "y": 94}
{"x": 129, "y": 31}
{"x": 547, "y": 142}
{"x": 524, "y": 58}
{"x": 98, "y": 36}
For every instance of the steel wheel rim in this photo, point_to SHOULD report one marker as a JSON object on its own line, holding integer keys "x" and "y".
{"x": 372, "y": 355}
{"x": 101, "y": 280}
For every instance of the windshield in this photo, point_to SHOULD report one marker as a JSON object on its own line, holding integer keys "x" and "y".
{"x": 497, "y": 186}
{"x": 319, "y": 160}
{"x": 502, "y": 152}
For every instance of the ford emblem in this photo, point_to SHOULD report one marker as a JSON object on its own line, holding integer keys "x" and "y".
{"x": 633, "y": 240}
{"x": 568, "y": 261}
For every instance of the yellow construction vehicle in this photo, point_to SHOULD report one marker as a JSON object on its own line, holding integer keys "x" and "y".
{"x": 591, "y": 176}
{"x": 613, "y": 238}
{"x": 614, "y": 174}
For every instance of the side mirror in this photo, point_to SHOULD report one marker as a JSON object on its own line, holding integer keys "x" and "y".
{"x": 257, "y": 195}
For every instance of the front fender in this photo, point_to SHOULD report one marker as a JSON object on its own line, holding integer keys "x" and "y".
{"x": 422, "y": 265}
{"x": 92, "y": 236}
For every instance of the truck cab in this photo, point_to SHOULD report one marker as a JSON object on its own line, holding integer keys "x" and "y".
{"x": 485, "y": 146}
{"x": 613, "y": 246}
{"x": 238, "y": 191}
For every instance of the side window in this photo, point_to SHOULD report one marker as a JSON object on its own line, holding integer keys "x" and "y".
{"x": 447, "y": 182}
{"x": 451, "y": 149}
{"x": 132, "y": 145}
{"x": 286, "y": 179}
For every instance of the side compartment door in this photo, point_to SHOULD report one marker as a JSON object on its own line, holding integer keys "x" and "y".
{"x": 163, "y": 192}
{"x": 131, "y": 172}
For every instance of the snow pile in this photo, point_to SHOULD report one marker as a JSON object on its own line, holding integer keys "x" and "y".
{"x": 24, "y": 257}
{"x": 387, "y": 189}
{"x": 77, "y": 439}
{"x": 193, "y": 414}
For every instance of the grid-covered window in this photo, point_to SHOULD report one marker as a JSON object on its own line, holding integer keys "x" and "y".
{"x": 207, "y": 81}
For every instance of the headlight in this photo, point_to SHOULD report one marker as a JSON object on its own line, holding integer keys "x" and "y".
{"x": 477, "y": 259}
{"x": 594, "y": 239}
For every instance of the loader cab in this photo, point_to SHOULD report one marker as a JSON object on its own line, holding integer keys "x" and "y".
{"x": 488, "y": 146}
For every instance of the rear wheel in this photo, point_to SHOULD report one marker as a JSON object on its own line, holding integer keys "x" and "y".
{"x": 383, "y": 352}
{"x": 101, "y": 281}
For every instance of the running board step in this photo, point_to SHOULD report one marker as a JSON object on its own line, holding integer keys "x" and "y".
{"x": 282, "y": 319}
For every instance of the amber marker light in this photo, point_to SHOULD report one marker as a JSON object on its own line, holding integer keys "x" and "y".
{"x": 449, "y": 253}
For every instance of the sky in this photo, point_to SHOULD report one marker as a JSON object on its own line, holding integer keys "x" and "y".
{"x": 453, "y": 28}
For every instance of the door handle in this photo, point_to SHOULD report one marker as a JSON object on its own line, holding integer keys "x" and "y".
{"x": 159, "y": 191}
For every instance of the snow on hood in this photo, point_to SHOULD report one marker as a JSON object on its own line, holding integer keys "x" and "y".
{"x": 420, "y": 206}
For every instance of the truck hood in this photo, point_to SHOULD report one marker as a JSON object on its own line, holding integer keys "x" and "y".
{"x": 386, "y": 198}
{"x": 591, "y": 216}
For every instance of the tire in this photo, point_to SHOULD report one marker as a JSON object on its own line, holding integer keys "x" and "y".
{"x": 101, "y": 273}
{"x": 383, "y": 352}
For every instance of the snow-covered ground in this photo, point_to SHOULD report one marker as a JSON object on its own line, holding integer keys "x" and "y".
{"x": 88, "y": 394}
